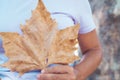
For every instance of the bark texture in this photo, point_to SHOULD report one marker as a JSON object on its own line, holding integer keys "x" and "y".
{"x": 106, "y": 15}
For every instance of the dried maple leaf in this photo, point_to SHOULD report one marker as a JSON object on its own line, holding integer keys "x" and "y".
{"x": 41, "y": 43}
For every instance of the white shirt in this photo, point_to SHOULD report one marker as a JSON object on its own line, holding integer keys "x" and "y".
{"x": 16, "y": 12}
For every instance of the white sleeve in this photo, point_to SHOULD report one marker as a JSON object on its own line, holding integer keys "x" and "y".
{"x": 85, "y": 17}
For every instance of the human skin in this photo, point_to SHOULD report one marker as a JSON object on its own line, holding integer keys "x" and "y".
{"x": 92, "y": 56}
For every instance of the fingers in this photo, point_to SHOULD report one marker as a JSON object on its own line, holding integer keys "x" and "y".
{"x": 59, "y": 72}
{"x": 59, "y": 69}
{"x": 56, "y": 77}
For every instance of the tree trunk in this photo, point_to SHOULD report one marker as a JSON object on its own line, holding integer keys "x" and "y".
{"x": 106, "y": 14}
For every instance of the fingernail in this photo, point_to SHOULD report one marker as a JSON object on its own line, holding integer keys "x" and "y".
{"x": 42, "y": 71}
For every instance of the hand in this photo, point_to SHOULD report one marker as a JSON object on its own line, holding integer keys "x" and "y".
{"x": 59, "y": 72}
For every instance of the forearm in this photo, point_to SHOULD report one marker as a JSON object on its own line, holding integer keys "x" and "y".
{"x": 88, "y": 64}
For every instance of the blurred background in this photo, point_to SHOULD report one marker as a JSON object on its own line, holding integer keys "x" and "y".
{"x": 106, "y": 15}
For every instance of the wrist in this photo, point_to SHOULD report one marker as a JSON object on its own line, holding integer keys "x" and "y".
{"x": 79, "y": 75}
